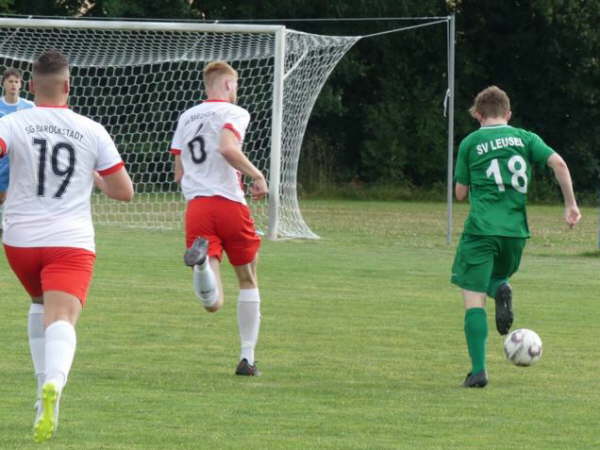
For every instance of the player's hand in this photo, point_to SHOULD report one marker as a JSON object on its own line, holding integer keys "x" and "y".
{"x": 259, "y": 188}
{"x": 572, "y": 215}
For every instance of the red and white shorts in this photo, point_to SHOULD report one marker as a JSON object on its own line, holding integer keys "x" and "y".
{"x": 227, "y": 225}
{"x": 41, "y": 269}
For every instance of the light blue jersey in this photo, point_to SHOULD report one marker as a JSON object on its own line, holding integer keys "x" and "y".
{"x": 7, "y": 108}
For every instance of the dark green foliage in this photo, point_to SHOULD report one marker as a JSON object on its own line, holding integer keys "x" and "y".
{"x": 156, "y": 9}
{"x": 545, "y": 55}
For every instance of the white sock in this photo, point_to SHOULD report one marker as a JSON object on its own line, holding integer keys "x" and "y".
{"x": 1, "y": 215}
{"x": 60, "y": 351}
{"x": 37, "y": 346}
{"x": 248, "y": 322}
{"x": 205, "y": 283}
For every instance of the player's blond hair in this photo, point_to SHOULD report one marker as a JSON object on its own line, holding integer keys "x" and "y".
{"x": 215, "y": 70}
{"x": 491, "y": 102}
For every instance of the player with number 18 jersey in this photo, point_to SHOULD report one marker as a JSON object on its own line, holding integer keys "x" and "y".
{"x": 496, "y": 162}
{"x": 494, "y": 169}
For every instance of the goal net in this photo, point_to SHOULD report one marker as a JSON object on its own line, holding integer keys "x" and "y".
{"x": 136, "y": 78}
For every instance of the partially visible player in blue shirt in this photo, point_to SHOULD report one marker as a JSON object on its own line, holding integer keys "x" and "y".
{"x": 12, "y": 82}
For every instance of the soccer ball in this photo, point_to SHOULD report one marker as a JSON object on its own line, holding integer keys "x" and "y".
{"x": 523, "y": 347}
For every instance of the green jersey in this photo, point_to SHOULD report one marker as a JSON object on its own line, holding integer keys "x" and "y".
{"x": 496, "y": 163}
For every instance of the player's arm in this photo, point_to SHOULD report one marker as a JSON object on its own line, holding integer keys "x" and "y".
{"x": 175, "y": 150}
{"x": 563, "y": 176}
{"x": 110, "y": 176}
{"x": 116, "y": 185}
{"x": 462, "y": 176}
{"x": 461, "y": 191}
{"x": 231, "y": 149}
{"x": 178, "y": 169}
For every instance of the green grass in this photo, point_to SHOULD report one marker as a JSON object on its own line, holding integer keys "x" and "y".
{"x": 361, "y": 345}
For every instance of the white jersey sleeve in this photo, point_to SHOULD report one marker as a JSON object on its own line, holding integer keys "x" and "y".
{"x": 237, "y": 121}
{"x": 176, "y": 143}
{"x": 109, "y": 160}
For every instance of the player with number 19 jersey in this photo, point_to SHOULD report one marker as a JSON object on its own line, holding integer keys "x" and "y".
{"x": 53, "y": 153}
{"x": 496, "y": 162}
{"x": 206, "y": 173}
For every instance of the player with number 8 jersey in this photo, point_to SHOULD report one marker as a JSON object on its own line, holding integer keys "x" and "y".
{"x": 196, "y": 141}
{"x": 494, "y": 167}
{"x": 209, "y": 163}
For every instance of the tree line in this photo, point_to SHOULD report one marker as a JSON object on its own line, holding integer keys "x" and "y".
{"x": 379, "y": 119}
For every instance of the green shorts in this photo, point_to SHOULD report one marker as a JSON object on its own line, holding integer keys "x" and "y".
{"x": 482, "y": 263}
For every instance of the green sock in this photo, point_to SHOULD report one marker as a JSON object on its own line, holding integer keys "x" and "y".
{"x": 476, "y": 331}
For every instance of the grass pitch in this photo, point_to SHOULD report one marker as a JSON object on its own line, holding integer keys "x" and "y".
{"x": 361, "y": 345}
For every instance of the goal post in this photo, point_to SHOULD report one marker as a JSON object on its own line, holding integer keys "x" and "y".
{"x": 275, "y": 172}
{"x": 137, "y": 77}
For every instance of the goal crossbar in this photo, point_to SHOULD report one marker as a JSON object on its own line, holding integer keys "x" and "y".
{"x": 133, "y": 25}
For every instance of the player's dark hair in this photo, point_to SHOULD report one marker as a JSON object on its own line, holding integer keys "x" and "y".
{"x": 50, "y": 62}
{"x": 491, "y": 102}
{"x": 12, "y": 72}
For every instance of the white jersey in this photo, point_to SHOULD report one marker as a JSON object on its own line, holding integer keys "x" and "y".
{"x": 205, "y": 171}
{"x": 53, "y": 154}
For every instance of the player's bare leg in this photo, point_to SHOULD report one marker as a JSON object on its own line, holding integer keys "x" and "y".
{"x": 476, "y": 332}
{"x": 248, "y": 317}
{"x": 61, "y": 311}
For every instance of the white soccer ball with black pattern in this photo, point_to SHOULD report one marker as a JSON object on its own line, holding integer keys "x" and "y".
{"x": 523, "y": 347}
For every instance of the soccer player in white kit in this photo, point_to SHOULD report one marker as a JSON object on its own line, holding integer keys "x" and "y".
{"x": 209, "y": 164}
{"x": 56, "y": 156}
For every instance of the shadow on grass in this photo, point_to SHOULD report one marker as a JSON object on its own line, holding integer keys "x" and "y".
{"x": 592, "y": 254}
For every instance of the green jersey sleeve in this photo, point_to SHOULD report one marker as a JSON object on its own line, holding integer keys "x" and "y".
{"x": 539, "y": 150}
{"x": 461, "y": 172}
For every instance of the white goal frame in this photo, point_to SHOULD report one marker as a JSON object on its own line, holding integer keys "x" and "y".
{"x": 282, "y": 68}
{"x": 272, "y": 228}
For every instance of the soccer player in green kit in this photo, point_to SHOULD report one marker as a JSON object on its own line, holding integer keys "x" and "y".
{"x": 494, "y": 166}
